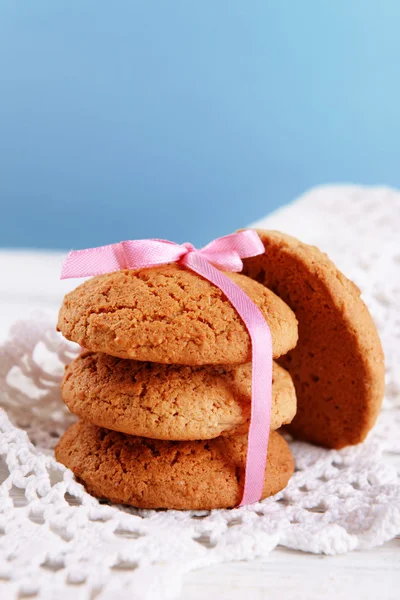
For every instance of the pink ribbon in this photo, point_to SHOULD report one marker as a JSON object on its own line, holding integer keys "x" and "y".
{"x": 224, "y": 253}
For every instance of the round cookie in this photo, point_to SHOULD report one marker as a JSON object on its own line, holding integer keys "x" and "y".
{"x": 170, "y": 315}
{"x": 338, "y": 364}
{"x": 169, "y": 402}
{"x": 158, "y": 474}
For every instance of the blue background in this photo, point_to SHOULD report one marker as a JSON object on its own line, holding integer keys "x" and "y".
{"x": 187, "y": 119}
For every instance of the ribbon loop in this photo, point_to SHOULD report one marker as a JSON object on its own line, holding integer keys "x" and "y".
{"x": 245, "y": 243}
{"x": 226, "y": 254}
{"x": 226, "y": 261}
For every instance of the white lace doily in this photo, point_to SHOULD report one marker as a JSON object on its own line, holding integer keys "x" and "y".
{"x": 58, "y": 541}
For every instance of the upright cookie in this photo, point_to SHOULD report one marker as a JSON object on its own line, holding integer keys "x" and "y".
{"x": 338, "y": 364}
{"x": 169, "y": 402}
{"x": 158, "y": 474}
{"x": 170, "y": 315}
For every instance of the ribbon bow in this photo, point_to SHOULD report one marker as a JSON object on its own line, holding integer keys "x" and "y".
{"x": 224, "y": 253}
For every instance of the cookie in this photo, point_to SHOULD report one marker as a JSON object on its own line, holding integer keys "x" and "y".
{"x": 170, "y": 315}
{"x": 169, "y": 402}
{"x": 338, "y": 364}
{"x": 157, "y": 474}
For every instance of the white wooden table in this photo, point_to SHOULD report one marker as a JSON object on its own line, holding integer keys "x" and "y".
{"x": 29, "y": 282}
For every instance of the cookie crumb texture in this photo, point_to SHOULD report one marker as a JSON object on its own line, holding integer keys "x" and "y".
{"x": 169, "y": 402}
{"x": 170, "y": 315}
{"x": 338, "y": 364}
{"x": 147, "y": 473}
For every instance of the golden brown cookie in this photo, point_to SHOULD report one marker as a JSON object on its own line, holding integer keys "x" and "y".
{"x": 169, "y": 402}
{"x": 169, "y": 315}
{"x": 158, "y": 474}
{"x": 338, "y": 364}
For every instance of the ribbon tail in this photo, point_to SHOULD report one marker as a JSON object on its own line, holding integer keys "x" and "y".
{"x": 131, "y": 254}
{"x": 261, "y": 401}
{"x": 93, "y": 261}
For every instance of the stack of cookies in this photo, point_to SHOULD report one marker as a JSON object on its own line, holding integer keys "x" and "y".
{"x": 163, "y": 389}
